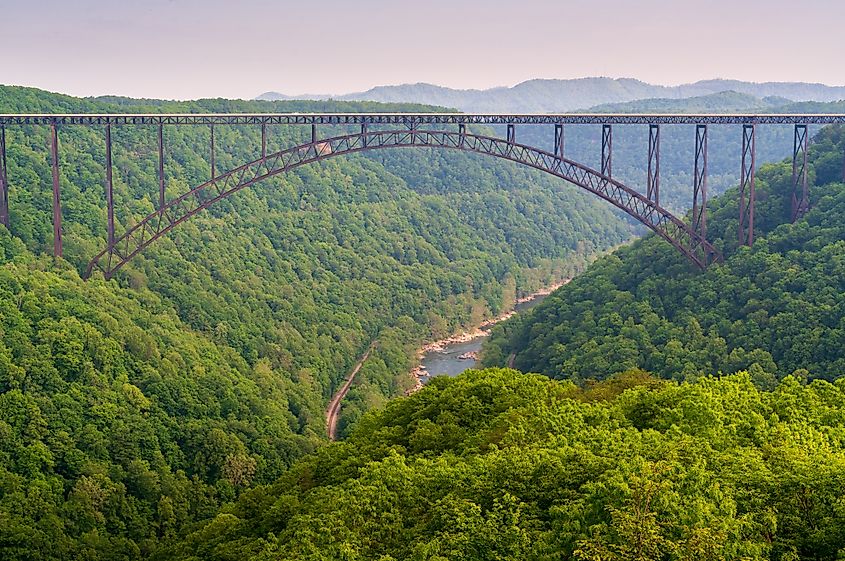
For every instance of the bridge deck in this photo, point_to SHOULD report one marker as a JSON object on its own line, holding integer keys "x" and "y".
{"x": 421, "y": 118}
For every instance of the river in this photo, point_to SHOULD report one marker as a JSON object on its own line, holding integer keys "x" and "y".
{"x": 447, "y": 361}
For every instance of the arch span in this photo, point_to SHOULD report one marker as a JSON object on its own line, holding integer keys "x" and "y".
{"x": 661, "y": 221}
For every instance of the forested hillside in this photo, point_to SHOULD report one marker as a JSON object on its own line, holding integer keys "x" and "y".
{"x": 132, "y": 408}
{"x": 775, "y": 309}
{"x": 496, "y": 465}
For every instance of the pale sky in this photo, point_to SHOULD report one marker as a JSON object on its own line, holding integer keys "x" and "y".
{"x": 185, "y": 49}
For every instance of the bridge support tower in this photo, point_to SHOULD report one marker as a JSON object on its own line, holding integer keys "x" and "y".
{"x": 747, "y": 195}
{"x": 800, "y": 195}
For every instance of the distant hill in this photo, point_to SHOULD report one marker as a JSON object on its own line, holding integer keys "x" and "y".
{"x": 725, "y": 102}
{"x": 569, "y": 95}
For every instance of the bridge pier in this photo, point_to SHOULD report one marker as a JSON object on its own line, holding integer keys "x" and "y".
{"x": 607, "y": 150}
{"x": 747, "y": 195}
{"x": 511, "y": 134}
{"x": 4, "y": 180}
{"x": 559, "y": 141}
{"x": 800, "y": 195}
{"x": 213, "y": 169}
{"x": 699, "y": 185}
{"x": 263, "y": 140}
{"x": 160, "y": 167}
{"x": 109, "y": 192}
{"x": 57, "y": 204}
{"x": 653, "y": 184}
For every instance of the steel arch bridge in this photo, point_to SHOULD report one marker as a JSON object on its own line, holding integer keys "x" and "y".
{"x": 688, "y": 238}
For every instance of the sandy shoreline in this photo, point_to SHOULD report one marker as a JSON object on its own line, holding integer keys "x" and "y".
{"x": 419, "y": 372}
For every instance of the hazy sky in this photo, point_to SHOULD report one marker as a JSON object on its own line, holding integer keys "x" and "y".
{"x": 208, "y": 48}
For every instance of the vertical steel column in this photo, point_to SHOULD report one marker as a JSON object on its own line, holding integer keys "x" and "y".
{"x": 213, "y": 167}
{"x": 109, "y": 190}
{"x": 160, "y": 166}
{"x": 57, "y": 203}
{"x": 559, "y": 140}
{"x": 364, "y": 134}
{"x": 462, "y": 134}
{"x": 653, "y": 189}
{"x": 313, "y": 133}
{"x": 4, "y": 180}
{"x": 746, "y": 185}
{"x": 607, "y": 150}
{"x": 511, "y": 134}
{"x": 699, "y": 185}
{"x": 263, "y": 140}
{"x": 800, "y": 195}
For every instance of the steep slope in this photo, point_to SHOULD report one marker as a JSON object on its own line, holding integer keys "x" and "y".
{"x": 775, "y": 309}
{"x": 119, "y": 425}
{"x": 136, "y": 407}
{"x": 497, "y": 465}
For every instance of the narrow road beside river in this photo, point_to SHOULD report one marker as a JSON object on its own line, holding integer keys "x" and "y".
{"x": 333, "y": 411}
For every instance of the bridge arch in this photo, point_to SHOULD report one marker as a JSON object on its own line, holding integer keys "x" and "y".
{"x": 671, "y": 228}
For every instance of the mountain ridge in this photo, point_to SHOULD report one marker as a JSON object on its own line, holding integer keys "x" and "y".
{"x": 572, "y": 94}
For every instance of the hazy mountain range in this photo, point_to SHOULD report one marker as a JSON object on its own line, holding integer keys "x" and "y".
{"x": 571, "y": 95}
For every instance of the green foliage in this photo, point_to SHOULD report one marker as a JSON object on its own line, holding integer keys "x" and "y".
{"x": 495, "y": 464}
{"x": 120, "y": 425}
{"x": 775, "y": 310}
{"x": 134, "y": 408}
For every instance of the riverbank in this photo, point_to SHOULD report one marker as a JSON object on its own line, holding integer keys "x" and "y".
{"x": 420, "y": 373}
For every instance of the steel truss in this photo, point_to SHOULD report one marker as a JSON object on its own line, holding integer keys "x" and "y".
{"x": 699, "y": 185}
{"x": 405, "y": 119}
{"x": 607, "y": 150}
{"x": 747, "y": 195}
{"x": 694, "y": 245}
{"x": 4, "y": 182}
{"x": 800, "y": 193}
{"x": 157, "y": 224}
{"x": 653, "y": 179}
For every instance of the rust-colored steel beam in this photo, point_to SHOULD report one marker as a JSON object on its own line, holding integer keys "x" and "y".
{"x": 747, "y": 195}
{"x": 263, "y": 140}
{"x": 607, "y": 150}
{"x": 213, "y": 167}
{"x": 160, "y": 167}
{"x": 402, "y": 119}
{"x": 699, "y": 185}
{"x": 800, "y": 190}
{"x": 559, "y": 140}
{"x": 4, "y": 180}
{"x": 57, "y": 197}
{"x": 109, "y": 190}
{"x": 653, "y": 182}
{"x": 181, "y": 208}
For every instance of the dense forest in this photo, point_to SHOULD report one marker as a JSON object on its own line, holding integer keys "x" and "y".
{"x": 130, "y": 409}
{"x": 495, "y": 464}
{"x": 176, "y": 411}
{"x": 732, "y": 447}
{"x": 775, "y": 309}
